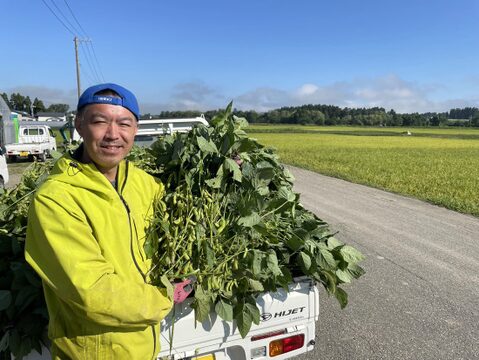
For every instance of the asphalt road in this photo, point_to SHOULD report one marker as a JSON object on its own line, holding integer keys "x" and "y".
{"x": 419, "y": 298}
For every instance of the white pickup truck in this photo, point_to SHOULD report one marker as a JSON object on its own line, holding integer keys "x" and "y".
{"x": 33, "y": 141}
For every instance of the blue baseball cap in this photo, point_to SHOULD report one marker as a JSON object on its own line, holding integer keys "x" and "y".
{"x": 127, "y": 100}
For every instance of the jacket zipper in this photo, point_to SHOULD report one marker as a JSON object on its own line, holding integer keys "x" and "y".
{"x": 125, "y": 204}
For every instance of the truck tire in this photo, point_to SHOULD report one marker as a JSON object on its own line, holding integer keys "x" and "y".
{"x": 11, "y": 158}
{"x": 42, "y": 157}
{"x": 2, "y": 183}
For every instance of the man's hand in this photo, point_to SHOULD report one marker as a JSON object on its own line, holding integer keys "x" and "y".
{"x": 182, "y": 290}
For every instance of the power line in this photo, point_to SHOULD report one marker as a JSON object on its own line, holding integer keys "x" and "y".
{"x": 90, "y": 43}
{"x": 96, "y": 59}
{"x": 66, "y": 27}
{"x": 64, "y": 17}
{"x": 92, "y": 69}
{"x": 92, "y": 61}
{"x": 75, "y": 18}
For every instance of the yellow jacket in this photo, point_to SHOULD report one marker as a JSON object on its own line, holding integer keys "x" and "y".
{"x": 85, "y": 240}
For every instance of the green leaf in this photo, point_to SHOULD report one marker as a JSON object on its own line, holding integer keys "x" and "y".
{"x": 224, "y": 310}
{"x": 304, "y": 261}
{"x": 244, "y": 322}
{"x": 206, "y": 146}
{"x": 333, "y": 243}
{"x": 251, "y": 307}
{"x": 327, "y": 256}
{"x": 215, "y": 183}
{"x": 342, "y": 297}
{"x": 255, "y": 285}
{"x": 351, "y": 255}
{"x": 210, "y": 254}
{"x": 245, "y": 313}
{"x": 344, "y": 275}
{"x": 201, "y": 304}
{"x": 355, "y": 271}
{"x": 257, "y": 260}
{"x": 328, "y": 279}
{"x": 250, "y": 220}
{"x": 150, "y": 245}
{"x": 295, "y": 243}
{"x": 287, "y": 194}
{"x": 263, "y": 190}
{"x": 231, "y": 166}
{"x": 272, "y": 263}
{"x": 5, "y": 299}
{"x": 168, "y": 285}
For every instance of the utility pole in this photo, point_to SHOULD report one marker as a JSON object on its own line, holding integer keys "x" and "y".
{"x": 75, "y": 40}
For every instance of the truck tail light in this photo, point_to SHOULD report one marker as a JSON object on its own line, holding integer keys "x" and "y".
{"x": 281, "y": 346}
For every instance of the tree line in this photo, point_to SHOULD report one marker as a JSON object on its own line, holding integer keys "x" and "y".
{"x": 18, "y": 102}
{"x": 303, "y": 115}
{"x": 334, "y": 115}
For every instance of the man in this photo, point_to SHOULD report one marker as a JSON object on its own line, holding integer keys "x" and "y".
{"x": 85, "y": 236}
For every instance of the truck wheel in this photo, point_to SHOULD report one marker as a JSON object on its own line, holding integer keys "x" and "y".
{"x": 11, "y": 158}
{"x": 42, "y": 157}
{"x": 2, "y": 183}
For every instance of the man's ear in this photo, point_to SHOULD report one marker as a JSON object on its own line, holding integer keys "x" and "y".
{"x": 78, "y": 125}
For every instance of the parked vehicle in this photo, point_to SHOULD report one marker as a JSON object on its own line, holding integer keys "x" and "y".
{"x": 33, "y": 141}
{"x": 149, "y": 130}
{"x": 4, "y": 176}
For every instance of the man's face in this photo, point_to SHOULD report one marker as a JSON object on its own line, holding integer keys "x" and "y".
{"x": 108, "y": 133}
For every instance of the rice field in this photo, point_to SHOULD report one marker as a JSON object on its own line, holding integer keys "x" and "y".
{"x": 441, "y": 168}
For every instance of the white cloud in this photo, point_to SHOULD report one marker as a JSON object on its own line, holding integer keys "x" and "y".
{"x": 389, "y": 92}
{"x": 306, "y": 90}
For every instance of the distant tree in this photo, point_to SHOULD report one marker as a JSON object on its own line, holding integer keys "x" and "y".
{"x": 17, "y": 101}
{"x": 475, "y": 120}
{"x": 58, "y": 108}
{"x": 38, "y": 106}
{"x": 434, "y": 120}
{"x": 27, "y": 105}
{"x": 319, "y": 118}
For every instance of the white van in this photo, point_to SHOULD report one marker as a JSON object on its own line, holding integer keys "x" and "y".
{"x": 3, "y": 169}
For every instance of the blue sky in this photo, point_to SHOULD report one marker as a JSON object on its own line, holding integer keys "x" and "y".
{"x": 410, "y": 56}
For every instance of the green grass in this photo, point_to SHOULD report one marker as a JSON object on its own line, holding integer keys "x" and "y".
{"x": 449, "y": 132}
{"x": 443, "y": 171}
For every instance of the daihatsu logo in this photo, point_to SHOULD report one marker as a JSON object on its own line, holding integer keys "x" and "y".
{"x": 265, "y": 316}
